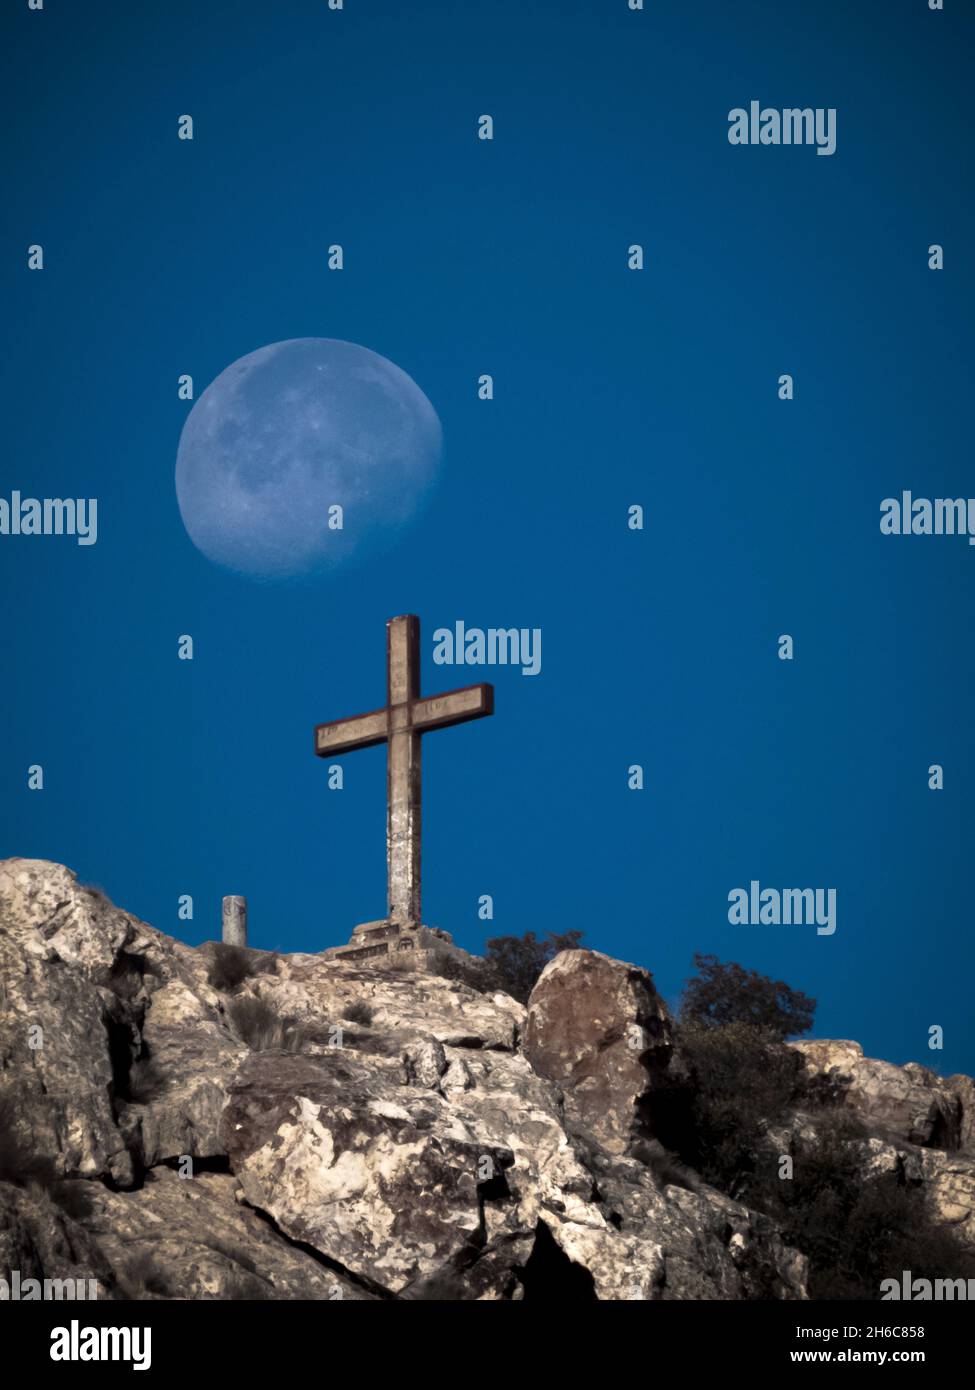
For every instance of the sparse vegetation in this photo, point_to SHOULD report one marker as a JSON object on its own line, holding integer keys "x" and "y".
{"x": 146, "y": 1081}
{"x": 140, "y": 1278}
{"x": 97, "y": 894}
{"x": 514, "y": 963}
{"x": 128, "y": 975}
{"x": 735, "y": 1080}
{"x": 231, "y": 965}
{"x": 359, "y": 1012}
{"x": 856, "y": 1232}
{"x": 242, "y": 1287}
{"x": 73, "y": 1196}
{"x": 19, "y": 1163}
{"x": 262, "y": 1028}
{"x": 476, "y": 974}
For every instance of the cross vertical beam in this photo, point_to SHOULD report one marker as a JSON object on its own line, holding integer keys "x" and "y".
{"x": 404, "y": 798}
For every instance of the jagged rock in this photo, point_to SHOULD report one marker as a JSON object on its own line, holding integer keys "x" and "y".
{"x": 191, "y": 1238}
{"x": 424, "y": 1063}
{"x": 963, "y": 1088}
{"x": 56, "y": 1065}
{"x": 457, "y": 1077}
{"x": 949, "y": 1180}
{"x": 40, "y": 1240}
{"x": 312, "y": 988}
{"x": 946, "y": 1177}
{"x": 683, "y": 1244}
{"x": 378, "y": 1175}
{"x": 906, "y": 1102}
{"x": 113, "y": 997}
{"x": 192, "y": 1061}
{"x": 365, "y": 1133}
{"x": 598, "y": 1028}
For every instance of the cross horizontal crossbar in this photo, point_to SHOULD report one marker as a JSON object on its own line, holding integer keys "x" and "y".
{"x": 416, "y": 716}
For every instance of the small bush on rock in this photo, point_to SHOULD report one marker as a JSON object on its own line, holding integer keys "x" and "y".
{"x": 358, "y": 1012}
{"x": 231, "y": 965}
{"x": 514, "y": 963}
{"x": 262, "y": 1028}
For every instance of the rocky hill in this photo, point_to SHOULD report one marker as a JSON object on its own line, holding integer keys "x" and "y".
{"x": 180, "y": 1123}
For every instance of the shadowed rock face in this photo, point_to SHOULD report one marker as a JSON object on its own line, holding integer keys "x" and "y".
{"x": 323, "y": 1130}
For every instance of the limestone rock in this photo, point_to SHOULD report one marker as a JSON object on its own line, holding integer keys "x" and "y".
{"x": 949, "y": 1180}
{"x": 114, "y": 999}
{"x": 56, "y": 1066}
{"x": 424, "y": 1063}
{"x": 40, "y": 1240}
{"x": 963, "y": 1089}
{"x": 191, "y": 1238}
{"x": 361, "y": 1132}
{"x": 946, "y": 1177}
{"x": 599, "y": 1029}
{"x": 379, "y": 1176}
{"x": 908, "y": 1102}
{"x": 318, "y": 990}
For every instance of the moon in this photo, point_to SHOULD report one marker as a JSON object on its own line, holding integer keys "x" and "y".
{"x": 288, "y": 434}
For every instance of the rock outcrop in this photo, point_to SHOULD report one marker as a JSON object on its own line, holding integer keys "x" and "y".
{"x": 908, "y": 1102}
{"x": 317, "y": 1128}
{"x": 921, "y": 1125}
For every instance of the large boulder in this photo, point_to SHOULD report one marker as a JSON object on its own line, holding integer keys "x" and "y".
{"x": 599, "y": 1029}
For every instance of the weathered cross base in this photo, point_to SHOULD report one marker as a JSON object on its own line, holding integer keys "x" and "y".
{"x": 398, "y": 946}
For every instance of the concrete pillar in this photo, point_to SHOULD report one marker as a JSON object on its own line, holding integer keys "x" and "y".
{"x": 235, "y": 920}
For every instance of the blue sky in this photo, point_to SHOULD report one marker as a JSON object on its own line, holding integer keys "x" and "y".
{"x": 612, "y": 387}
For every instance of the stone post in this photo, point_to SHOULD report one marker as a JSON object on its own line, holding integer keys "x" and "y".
{"x": 235, "y": 920}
